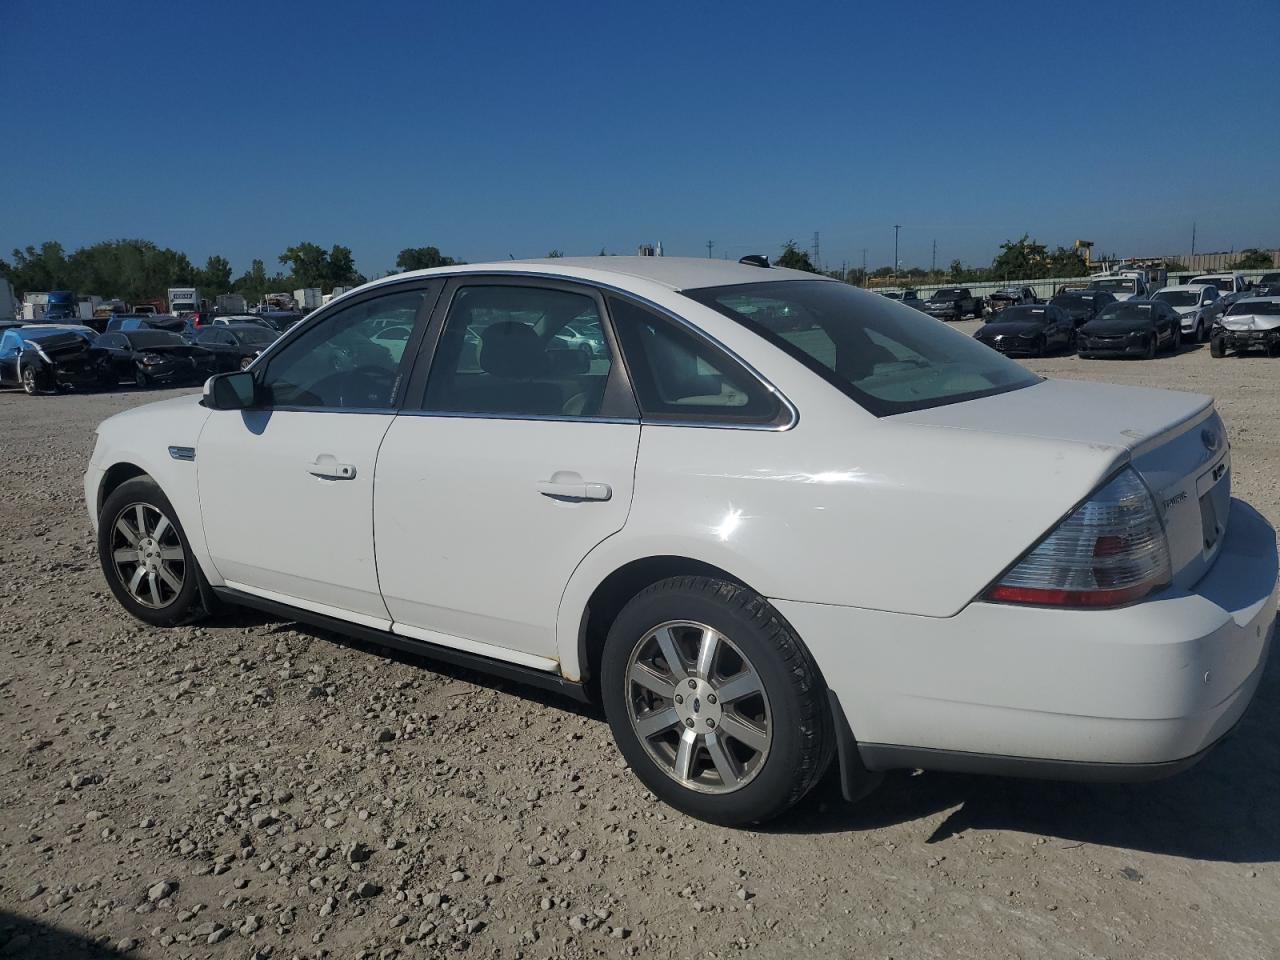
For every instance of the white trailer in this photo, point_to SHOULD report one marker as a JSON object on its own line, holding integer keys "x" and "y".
{"x": 307, "y": 298}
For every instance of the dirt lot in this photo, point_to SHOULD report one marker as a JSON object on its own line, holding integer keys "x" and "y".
{"x": 249, "y": 788}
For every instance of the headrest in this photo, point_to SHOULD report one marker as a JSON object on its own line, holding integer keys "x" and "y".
{"x": 511, "y": 349}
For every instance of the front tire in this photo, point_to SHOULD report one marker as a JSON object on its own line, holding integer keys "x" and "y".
{"x": 1217, "y": 347}
{"x": 1153, "y": 346}
{"x": 30, "y": 381}
{"x": 145, "y": 555}
{"x": 141, "y": 379}
{"x": 714, "y": 701}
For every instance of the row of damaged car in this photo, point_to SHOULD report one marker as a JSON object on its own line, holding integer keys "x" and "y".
{"x": 53, "y": 358}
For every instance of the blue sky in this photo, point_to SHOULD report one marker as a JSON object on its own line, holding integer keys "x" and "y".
{"x": 489, "y": 129}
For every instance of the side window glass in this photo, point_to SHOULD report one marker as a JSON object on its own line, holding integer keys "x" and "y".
{"x": 342, "y": 363}
{"x": 8, "y": 345}
{"x": 524, "y": 351}
{"x": 677, "y": 374}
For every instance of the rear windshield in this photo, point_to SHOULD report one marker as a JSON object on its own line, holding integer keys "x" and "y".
{"x": 1256, "y": 308}
{"x": 145, "y": 339}
{"x": 887, "y": 357}
{"x": 942, "y": 296}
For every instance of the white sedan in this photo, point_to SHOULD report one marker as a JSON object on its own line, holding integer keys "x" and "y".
{"x": 773, "y": 520}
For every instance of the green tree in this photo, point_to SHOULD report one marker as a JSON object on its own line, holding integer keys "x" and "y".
{"x": 215, "y": 278}
{"x": 1252, "y": 258}
{"x": 555, "y": 254}
{"x": 39, "y": 269}
{"x": 422, "y": 258}
{"x": 1067, "y": 262}
{"x": 794, "y": 258}
{"x": 1021, "y": 259}
{"x": 312, "y": 266}
{"x": 255, "y": 283}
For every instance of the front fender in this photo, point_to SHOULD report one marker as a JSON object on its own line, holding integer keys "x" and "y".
{"x": 142, "y": 438}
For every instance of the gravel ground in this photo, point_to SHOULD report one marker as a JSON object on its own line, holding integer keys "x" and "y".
{"x": 251, "y": 788}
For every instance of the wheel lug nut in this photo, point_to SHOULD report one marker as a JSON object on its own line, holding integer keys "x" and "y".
{"x": 711, "y": 698}
{"x": 689, "y": 722}
{"x": 679, "y": 698}
{"x": 710, "y": 723}
{"x": 693, "y": 684}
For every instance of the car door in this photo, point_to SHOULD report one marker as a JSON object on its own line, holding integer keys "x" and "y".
{"x": 286, "y": 488}
{"x": 517, "y": 461}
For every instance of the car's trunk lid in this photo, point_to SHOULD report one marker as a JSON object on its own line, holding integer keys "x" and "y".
{"x": 1174, "y": 440}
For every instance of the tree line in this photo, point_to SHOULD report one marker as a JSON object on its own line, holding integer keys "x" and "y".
{"x": 139, "y": 270}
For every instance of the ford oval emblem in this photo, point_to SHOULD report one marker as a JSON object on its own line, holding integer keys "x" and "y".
{"x": 1210, "y": 439}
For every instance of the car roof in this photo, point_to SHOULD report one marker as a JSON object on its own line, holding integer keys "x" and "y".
{"x": 677, "y": 273}
{"x": 55, "y": 326}
{"x": 256, "y": 327}
{"x": 1194, "y": 287}
{"x": 1248, "y": 300}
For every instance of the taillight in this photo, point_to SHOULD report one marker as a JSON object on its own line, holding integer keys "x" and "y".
{"x": 1111, "y": 550}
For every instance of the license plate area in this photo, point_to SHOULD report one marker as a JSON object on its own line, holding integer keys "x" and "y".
{"x": 1214, "y": 490}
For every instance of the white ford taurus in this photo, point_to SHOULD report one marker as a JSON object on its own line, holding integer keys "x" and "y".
{"x": 765, "y": 517}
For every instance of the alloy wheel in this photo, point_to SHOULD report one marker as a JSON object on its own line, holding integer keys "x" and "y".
{"x": 699, "y": 707}
{"x": 29, "y": 383}
{"x": 148, "y": 555}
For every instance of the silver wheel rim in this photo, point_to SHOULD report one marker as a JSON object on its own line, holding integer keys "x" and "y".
{"x": 148, "y": 556}
{"x": 28, "y": 380}
{"x": 698, "y": 706}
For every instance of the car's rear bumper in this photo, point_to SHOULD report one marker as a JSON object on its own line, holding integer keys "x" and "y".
{"x": 1129, "y": 693}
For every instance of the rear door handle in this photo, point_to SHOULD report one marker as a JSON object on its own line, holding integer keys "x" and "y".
{"x": 328, "y": 468}
{"x": 574, "y": 490}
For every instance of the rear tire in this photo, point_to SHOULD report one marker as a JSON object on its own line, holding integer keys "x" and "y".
{"x": 145, "y": 555}
{"x": 732, "y": 737}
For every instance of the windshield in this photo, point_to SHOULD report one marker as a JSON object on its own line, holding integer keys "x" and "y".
{"x": 888, "y": 358}
{"x": 1224, "y": 284}
{"x": 254, "y": 336}
{"x": 1116, "y": 285}
{"x": 945, "y": 295}
{"x": 1256, "y": 308}
{"x": 1140, "y": 310}
{"x": 146, "y": 339}
{"x": 1074, "y": 302}
{"x": 1035, "y": 315}
{"x": 1179, "y": 298}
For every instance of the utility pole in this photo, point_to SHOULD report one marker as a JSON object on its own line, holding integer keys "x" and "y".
{"x": 817, "y": 259}
{"x": 896, "y": 228}
{"x": 1193, "y": 239}
{"x": 864, "y": 267}
{"x": 934, "y": 268}
{"x": 710, "y": 244}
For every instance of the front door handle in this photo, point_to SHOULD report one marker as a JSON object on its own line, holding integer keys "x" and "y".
{"x": 328, "y": 468}
{"x": 569, "y": 486}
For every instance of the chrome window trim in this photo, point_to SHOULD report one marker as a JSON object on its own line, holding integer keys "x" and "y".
{"x": 793, "y": 414}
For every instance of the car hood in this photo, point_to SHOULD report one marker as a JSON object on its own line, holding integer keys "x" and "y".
{"x": 63, "y": 346}
{"x": 1113, "y": 327}
{"x": 1012, "y": 328}
{"x": 176, "y": 350}
{"x": 1251, "y": 321}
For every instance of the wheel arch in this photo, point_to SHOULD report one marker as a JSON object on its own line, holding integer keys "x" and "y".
{"x": 581, "y": 659}
{"x": 113, "y": 477}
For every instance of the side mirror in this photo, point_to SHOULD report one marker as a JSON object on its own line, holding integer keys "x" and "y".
{"x": 230, "y": 391}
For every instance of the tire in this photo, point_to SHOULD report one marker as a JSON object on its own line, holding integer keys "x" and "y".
{"x": 787, "y": 732}
{"x": 30, "y": 381}
{"x": 162, "y": 559}
{"x": 1200, "y": 334}
{"x": 1042, "y": 347}
{"x": 244, "y": 362}
{"x": 1153, "y": 346}
{"x": 141, "y": 379}
{"x": 1217, "y": 347}
{"x": 1175, "y": 341}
